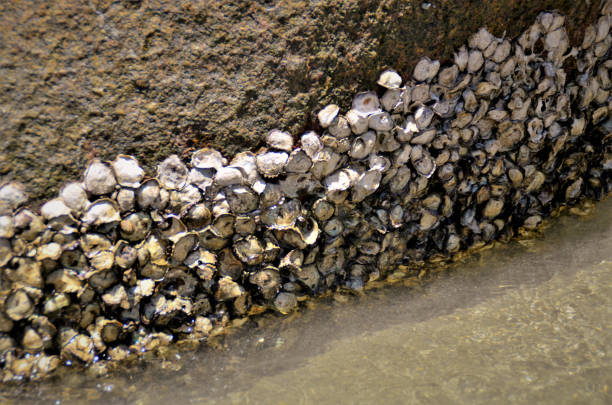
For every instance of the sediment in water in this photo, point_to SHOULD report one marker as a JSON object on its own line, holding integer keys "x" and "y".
{"x": 454, "y": 158}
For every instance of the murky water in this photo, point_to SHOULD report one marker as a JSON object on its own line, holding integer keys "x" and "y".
{"x": 527, "y": 322}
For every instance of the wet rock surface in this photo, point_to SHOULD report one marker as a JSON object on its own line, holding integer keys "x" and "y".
{"x": 150, "y": 78}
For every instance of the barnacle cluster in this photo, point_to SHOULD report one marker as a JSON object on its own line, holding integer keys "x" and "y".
{"x": 455, "y": 157}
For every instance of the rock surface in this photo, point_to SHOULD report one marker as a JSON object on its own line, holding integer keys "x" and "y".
{"x": 149, "y": 78}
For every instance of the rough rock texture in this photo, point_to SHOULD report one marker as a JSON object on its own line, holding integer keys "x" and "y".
{"x": 150, "y": 78}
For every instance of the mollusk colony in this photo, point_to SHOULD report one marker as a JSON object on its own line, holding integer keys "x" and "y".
{"x": 454, "y": 158}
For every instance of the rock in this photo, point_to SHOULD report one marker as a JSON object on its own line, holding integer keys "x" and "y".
{"x": 227, "y": 90}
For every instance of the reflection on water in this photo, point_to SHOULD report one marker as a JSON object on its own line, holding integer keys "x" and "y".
{"x": 527, "y": 322}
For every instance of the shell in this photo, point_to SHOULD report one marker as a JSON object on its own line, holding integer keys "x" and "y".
{"x": 126, "y": 199}
{"x": 463, "y": 155}
{"x": 340, "y": 128}
{"x": 241, "y": 199}
{"x": 390, "y": 79}
{"x": 481, "y": 39}
{"x": 338, "y": 181}
{"x": 282, "y": 216}
{"x": 271, "y": 164}
{"x": 172, "y": 173}
{"x": 246, "y": 161}
{"x": 99, "y": 178}
{"x": 183, "y": 243}
{"x": 426, "y": 69}
{"x": 363, "y": 145}
{"x": 201, "y": 178}
{"x": 18, "y": 305}
{"x": 327, "y": 115}
{"x": 74, "y": 197}
{"x": 136, "y": 226}
{"x": 365, "y": 103}
{"x": 14, "y": 194}
{"x": 366, "y": 185}
{"x": 311, "y": 144}
{"x": 207, "y": 158}
{"x": 298, "y": 162}
{"x": 380, "y": 121}
{"x": 127, "y": 171}
{"x": 7, "y": 226}
{"x": 249, "y": 250}
{"x": 297, "y": 184}
{"x": 148, "y": 195}
{"x": 358, "y": 121}
{"x": 101, "y": 212}
{"x": 227, "y": 176}
{"x": 228, "y": 289}
{"x": 461, "y": 58}
{"x": 392, "y": 100}
{"x": 54, "y": 208}
{"x": 448, "y": 76}
{"x": 475, "y": 61}
{"x": 285, "y": 302}
{"x": 280, "y": 140}
{"x": 267, "y": 281}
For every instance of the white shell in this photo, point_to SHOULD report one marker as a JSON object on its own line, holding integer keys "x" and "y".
{"x": 74, "y": 196}
{"x": 207, "y": 158}
{"x": 247, "y": 162}
{"x": 390, "y": 79}
{"x": 328, "y": 114}
{"x": 481, "y": 40}
{"x": 295, "y": 183}
{"x": 126, "y": 198}
{"x": 298, "y": 162}
{"x": 340, "y": 128}
{"x": 426, "y": 69}
{"x": 475, "y": 61}
{"x": 127, "y": 171}
{"x": 366, "y": 185}
{"x": 324, "y": 163}
{"x": 101, "y": 212}
{"x": 13, "y": 193}
{"x": 392, "y": 99}
{"x": 99, "y": 178}
{"x": 358, "y": 121}
{"x": 172, "y": 173}
{"x": 363, "y": 145}
{"x": 148, "y": 193}
{"x": 201, "y": 178}
{"x": 279, "y": 140}
{"x": 423, "y": 117}
{"x": 380, "y": 121}
{"x": 448, "y": 76}
{"x": 338, "y": 181}
{"x": 311, "y": 144}
{"x": 226, "y": 176}
{"x": 271, "y": 164}
{"x": 461, "y": 58}
{"x": 54, "y": 208}
{"x": 502, "y": 52}
{"x": 366, "y": 102}
{"x": 7, "y": 226}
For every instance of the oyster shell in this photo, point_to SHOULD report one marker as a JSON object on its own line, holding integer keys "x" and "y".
{"x": 99, "y": 178}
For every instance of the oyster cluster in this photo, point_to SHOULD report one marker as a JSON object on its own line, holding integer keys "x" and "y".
{"x": 452, "y": 158}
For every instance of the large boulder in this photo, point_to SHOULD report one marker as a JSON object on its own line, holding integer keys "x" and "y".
{"x": 152, "y": 78}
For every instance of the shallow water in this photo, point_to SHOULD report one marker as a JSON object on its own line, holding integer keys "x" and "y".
{"x": 527, "y": 322}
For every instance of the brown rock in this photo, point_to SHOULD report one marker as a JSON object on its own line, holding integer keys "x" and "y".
{"x": 154, "y": 80}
